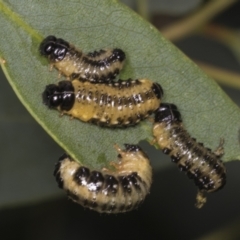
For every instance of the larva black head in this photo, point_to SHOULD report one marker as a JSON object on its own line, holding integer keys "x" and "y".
{"x": 52, "y": 96}
{"x": 132, "y": 147}
{"x": 55, "y": 48}
{"x": 167, "y": 113}
{"x": 157, "y": 89}
{"x": 59, "y": 95}
{"x": 118, "y": 54}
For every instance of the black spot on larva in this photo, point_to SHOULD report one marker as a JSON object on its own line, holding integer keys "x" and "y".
{"x": 208, "y": 159}
{"x": 134, "y": 180}
{"x": 140, "y": 117}
{"x": 166, "y": 150}
{"x": 96, "y": 180}
{"x": 98, "y": 66}
{"x": 189, "y": 144}
{"x": 120, "y": 121}
{"x": 125, "y": 184}
{"x": 190, "y": 175}
{"x": 137, "y": 98}
{"x": 218, "y": 169}
{"x": 175, "y": 158}
{"x": 200, "y": 163}
{"x": 111, "y": 184}
{"x": 183, "y": 167}
{"x": 104, "y": 99}
{"x": 96, "y": 53}
{"x": 59, "y": 179}
{"x": 176, "y": 130}
{"x": 108, "y": 77}
{"x": 81, "y": 175}
{"x": 204, "y": 183}
{"x": 111, "y": 208}
{"x": 115, "y": 73}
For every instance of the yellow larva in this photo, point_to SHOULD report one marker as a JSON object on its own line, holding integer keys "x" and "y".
{"x": 200, "y": 163}
{"x": 98, "y": 66}
{"x": 116, "y": 104}
{"x": 107, "y": 191}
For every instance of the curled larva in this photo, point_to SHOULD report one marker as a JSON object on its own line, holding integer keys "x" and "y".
{"x": 200, "y": 163}
{"x": 107, "y": 191}
{"x": 116, "y": 104}
{"x": 99, "y": 66}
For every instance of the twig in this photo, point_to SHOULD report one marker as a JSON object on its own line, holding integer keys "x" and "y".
{"x": 228, "y": 231}
{"x": 225, "y": 77}
{"x": 143, "y": 8}
{"x": 229, "y": 37}
{"x": 199, "y": 18}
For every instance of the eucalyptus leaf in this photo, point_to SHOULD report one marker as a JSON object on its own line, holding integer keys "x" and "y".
{"x": 207, "y": 112}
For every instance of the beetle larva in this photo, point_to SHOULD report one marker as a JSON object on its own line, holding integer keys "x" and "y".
{"x": 200, "y": 163}
{"x": 99, "y": 66}
{"x": 116, "y": 104}
{"x": 107, "y": 191}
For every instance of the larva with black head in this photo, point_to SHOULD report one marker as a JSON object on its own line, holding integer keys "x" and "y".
{"x": 99, "y": 66}
{"x": 107, "y": 191}
{"x": 116, "y": 104}
{"x": 200, "y": 163}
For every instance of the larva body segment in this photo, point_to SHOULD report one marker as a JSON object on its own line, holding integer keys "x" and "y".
{"x": 116, "y": 104}
{"x": 200, "y": 163}
{"x": 107, "y": 191}
{"x": 99, "y": 66}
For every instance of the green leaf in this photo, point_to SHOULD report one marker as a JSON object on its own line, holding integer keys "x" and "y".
{"x": 207, "y": 112}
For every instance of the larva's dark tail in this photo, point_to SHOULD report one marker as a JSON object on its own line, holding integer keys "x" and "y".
{"x": 158, "y": 91}
{"x": 118, "y": 55}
